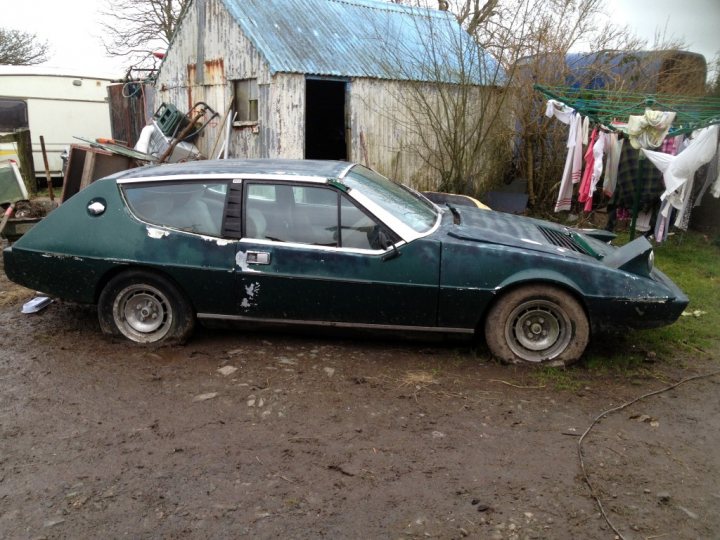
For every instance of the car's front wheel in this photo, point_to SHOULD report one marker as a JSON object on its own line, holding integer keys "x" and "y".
{"x": 537, "y": 324}
{"x": 144, "y": 307}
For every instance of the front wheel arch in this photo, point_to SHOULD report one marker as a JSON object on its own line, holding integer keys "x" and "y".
{"x": 569, "y": 320}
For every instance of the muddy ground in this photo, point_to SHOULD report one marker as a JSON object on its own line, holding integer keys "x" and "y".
{"x": 324, "y": 436}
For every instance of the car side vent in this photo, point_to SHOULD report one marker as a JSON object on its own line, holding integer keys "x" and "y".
{"x": 561, "y": 239}
{"x": 232, "y": 225}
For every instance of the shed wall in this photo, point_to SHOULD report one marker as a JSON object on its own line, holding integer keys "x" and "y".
{"x": 405, "y": 130}
{"x": 208, "y": 53}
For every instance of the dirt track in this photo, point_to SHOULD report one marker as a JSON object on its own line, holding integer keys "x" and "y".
{"x": 314, "y": 436}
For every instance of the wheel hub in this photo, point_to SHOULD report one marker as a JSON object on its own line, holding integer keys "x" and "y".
{"x": 144, "y": 312}
{"x": 538, "y": 330}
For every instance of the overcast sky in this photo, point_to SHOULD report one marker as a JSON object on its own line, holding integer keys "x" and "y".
{"x": 73, "y": 28}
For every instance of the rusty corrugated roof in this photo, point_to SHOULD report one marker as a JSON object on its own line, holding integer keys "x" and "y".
{"x": 362, "y": 38}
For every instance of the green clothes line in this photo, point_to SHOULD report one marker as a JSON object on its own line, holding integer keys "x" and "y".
{"x": 604, "y": 106}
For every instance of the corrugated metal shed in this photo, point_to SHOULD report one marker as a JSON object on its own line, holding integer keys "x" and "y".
{"x": 362, "y": 38}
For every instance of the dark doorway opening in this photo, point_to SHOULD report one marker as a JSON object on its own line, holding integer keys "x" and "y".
{"x": 325, "y": 120}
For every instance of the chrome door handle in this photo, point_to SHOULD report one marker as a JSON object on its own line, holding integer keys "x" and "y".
{"x": 258, "y": 257}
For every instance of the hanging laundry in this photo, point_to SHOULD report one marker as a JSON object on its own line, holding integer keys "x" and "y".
{"x": 573, "y": 161}
{"x": 672, "y": 145}
{"x": 588, "y": 170}
{"x": 712, "y": 176}
{"x": 598, "y": 152}
{"x": 593, "y": 168}
{"x": 613, "y": 146}
{"x": 631, "y": 170}
{"x": 642, "y": 223}
{"x": 559, "y": 110}
{"x": 649, "y": 130}
{"x": 678, "y": 171}
{"x": 662, "y": 225}
{"x": 585, "y": 130}
{"x": 715, "y": 191}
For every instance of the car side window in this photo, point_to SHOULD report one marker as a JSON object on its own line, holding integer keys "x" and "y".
{"x": 286, "y": 213}
{"x": 195, "y": 207}
{"x": 360, "y": 231}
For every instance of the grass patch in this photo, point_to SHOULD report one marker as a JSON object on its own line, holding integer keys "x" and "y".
{"x": 692, "y": 261}
{"x": 558, "y": 378}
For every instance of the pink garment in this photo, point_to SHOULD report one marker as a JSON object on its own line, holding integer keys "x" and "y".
{"x": 598, "y": 152}
{"x": 585, "y": 195}
{"x": 671, "y": 145}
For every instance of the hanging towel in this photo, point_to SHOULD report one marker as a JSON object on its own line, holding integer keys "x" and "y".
{"x": 573, "y": 163}
{"x": 649, "y": 130}
{"x": 585, "y": 130}
{"x": 613, "y": 147}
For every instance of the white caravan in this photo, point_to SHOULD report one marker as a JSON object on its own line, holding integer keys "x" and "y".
{"x": 59, "y": 105}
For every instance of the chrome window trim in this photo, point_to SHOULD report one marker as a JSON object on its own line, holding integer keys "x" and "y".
{"x": 220, "y": 239}
{"x": 337, "y": 324}
{"x": 345, "y": 171}
{"x": 397, "y": 226}
{"x": 314, "y": 247}
{"x": 190, "y": 177}
{"x": 409, "y": 234}
{"x": 406, "y": 233}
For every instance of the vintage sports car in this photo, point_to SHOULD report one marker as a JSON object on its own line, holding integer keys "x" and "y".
{"x": 335, "y": 244}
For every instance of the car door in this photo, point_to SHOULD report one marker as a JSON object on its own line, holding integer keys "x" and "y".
{"x": 309, "y": 253}
{"x": 181, "y": 223}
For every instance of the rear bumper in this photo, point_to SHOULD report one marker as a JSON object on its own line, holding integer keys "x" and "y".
{"x": 60, "y": 276}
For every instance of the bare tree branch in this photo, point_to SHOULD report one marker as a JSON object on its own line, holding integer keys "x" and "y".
{"x": 137, "y": 28}
{"x": 21, "y": 48}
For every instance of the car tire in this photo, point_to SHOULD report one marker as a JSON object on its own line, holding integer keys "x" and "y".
{"x": 146, "y": 308}
{"x": 539, "y": 325}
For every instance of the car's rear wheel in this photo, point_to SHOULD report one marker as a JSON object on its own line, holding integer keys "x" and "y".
{"x": 537, "y": 324}
{"x": 145, "y": 307}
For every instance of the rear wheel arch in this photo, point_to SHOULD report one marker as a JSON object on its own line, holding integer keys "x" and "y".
{"x": 145, "y": 306}
{"x": 110, "y": 274}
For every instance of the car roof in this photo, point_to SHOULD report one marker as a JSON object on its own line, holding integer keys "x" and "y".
{"x": 299, "y": 167}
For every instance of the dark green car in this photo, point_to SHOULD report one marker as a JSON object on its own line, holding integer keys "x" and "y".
{"x": 332, "y": 244}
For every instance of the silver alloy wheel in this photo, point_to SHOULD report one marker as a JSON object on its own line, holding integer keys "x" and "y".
{"x": 538, "y": 330}
{"x": 142, "y": 313}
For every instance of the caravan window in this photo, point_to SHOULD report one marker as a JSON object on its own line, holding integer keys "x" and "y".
{"x": 13, "y": 115}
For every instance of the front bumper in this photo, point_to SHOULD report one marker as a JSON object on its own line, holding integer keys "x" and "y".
{"x": 639, "y": 312}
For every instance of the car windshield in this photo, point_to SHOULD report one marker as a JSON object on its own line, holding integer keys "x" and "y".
{"x": 409, "y": 207}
